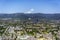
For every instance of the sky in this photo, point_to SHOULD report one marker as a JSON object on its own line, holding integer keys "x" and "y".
{"x": 29, "y": 6}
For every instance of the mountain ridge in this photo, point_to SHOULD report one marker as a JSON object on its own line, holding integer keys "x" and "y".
{"x": 32, "y": 15}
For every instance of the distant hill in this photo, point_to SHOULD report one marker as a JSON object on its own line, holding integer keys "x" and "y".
{"x": 32, "y": 15}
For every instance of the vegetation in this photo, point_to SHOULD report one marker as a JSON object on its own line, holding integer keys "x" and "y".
{"x": 31, "y": 27}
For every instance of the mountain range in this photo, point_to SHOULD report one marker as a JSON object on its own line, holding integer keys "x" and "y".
{"x": 32, "y": 15}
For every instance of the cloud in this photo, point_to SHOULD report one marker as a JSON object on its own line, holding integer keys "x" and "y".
{"x": 30, "y": 11}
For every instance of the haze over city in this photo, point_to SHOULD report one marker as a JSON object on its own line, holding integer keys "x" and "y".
{"x": 29, "y": 6}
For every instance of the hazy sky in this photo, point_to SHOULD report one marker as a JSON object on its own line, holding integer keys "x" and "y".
{"x": 28, "y": 6}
